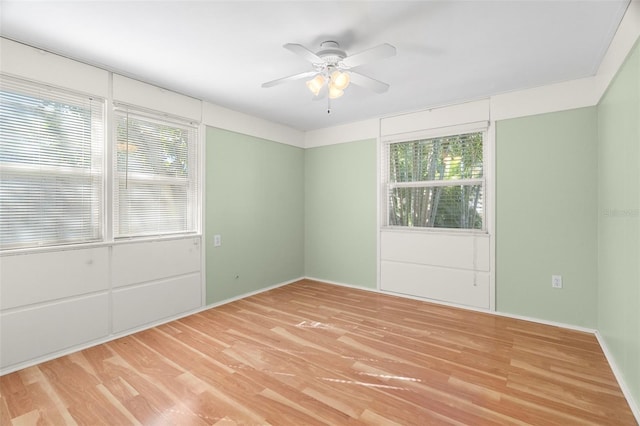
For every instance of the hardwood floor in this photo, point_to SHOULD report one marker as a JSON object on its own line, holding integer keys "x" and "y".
{"x": 311, "y": 353}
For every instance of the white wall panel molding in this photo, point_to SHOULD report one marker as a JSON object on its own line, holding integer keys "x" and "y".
{"x": 134, "y": 92}
{"x": 58, "y": 300}
{"x": 34, "y": 332}
{"x": 37, "y": 65}
{"x": 6, "y": 369}
{"x": 139, "y": 305}
{"x": 360, "y": 130}
{"x": 33, "y": 278}
{"x": 449, "y": 267}
{"x": 147, "y": 261}
{"x": 223, "y": 118}
{"x": 457, "y": 286}
{"x": 460, "y": 251}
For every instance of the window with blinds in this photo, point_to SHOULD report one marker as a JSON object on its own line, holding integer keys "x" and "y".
{"x": 436, "y": 182}
{"x": 51, "y": 166}
{"x": 156, "y": 174}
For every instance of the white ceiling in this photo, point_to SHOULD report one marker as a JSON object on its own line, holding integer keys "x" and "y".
{"x": 222, "y": 51}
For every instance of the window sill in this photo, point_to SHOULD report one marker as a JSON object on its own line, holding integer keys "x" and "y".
{"x": 83, "y": 246}
{"x": 441, "y": 231}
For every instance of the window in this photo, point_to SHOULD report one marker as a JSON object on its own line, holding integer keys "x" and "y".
{"x": 436, "y": 182}
{"x": 155, "y": 188}
{"x": 51, "y": 166}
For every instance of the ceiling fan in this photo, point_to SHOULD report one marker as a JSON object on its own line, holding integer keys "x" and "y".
{"x": 332, "y": 65}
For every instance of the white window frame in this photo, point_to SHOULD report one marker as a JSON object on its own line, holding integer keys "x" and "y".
{"x": 387, "y": 186}
{"x": 97, "y": 173}
{"x": 106, "y": 161}
{"x": 191, "y": 185}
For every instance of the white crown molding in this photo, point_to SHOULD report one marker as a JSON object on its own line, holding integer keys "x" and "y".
{"x": 33, "y": 64}
{"x": 359, "y": 130}
{"x": 623, "y": 41}
{"x": 561, "y": 96}
{"x": 544, "y": 99}
{"x": 223, "y": 118}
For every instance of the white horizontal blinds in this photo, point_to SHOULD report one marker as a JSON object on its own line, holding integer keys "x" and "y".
{"x": 156, "y": 175}
{"x": 51, "y": 165}
{"x": 436, "y": 182}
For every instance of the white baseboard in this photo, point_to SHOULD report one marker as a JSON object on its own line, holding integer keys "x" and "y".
{"x": 251, "y": 293}
{"x": 357, "y": 287}
{"x": 455, "y": 305}
{"x": 616, "y": 372}
{"x": 67, "y": 351}
{"x": 76, "y": 348}
{"x": 545, "y": 322}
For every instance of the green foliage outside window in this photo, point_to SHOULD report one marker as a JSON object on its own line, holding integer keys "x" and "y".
{"x": 437, "y": 183}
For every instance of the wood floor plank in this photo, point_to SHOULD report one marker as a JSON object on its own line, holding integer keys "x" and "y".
{"x": 312, "y": 353}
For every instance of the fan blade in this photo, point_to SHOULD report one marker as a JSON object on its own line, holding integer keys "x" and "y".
{"x": 379, "y": 52}
{"x": 368, "y": 82}
{"x": 300, "y": 50}
{"x": 290, "y": 78}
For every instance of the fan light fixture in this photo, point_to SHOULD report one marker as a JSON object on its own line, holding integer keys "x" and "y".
{"x": 333, "y": 69}
{"x": 315, "y": 84}
{"x": 337, "y": 82}
{"x": 340, "y": 80}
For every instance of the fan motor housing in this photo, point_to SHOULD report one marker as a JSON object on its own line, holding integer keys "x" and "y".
{"x": 331, "y": 52}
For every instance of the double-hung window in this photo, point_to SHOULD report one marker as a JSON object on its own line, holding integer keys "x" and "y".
{"x": 51, "y": 166}
{"x": 156, "y": 174}
{"x": 436, "y": 182}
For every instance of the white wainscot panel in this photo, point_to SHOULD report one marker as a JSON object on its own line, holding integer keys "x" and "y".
{"x": 457, "y": 286}
{"x": 39, "y": 277}
{"x": 437, "y": 249}
{"x": 140, "y": 305}
{"x": 35, "y": 332}
{"x": 148, "y": 261}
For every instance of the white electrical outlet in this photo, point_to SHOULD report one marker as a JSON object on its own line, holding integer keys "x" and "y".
{"x": 556, "y": 281}
{"x": 217, "y": 240}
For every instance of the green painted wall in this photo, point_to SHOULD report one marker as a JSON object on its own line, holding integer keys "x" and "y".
{"x": 255, "y": 201}
{"x": 546, "y": 216}
{"x": 619, "y": 220}
{"x": 340, "y": 213}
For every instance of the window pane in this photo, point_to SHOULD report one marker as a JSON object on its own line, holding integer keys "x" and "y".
{"x": 150, "y": 209}
{"x": 152, "y": 148}
{"x": 452, "y": 157}
{"x": 156, "y": 176}
{"x": 459, "y": 206}
{"x": 51, "y": 155}
{"x": 436, "y": 182}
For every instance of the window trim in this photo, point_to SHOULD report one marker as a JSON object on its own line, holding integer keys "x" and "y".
{"x": 108, "y": 166}
{"x": 161, "y": 118}
{"x": 433, "y": 133}
{"x": 97, "y": 137}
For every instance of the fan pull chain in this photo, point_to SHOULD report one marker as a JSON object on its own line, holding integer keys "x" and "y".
{"x": 328, "y": 105}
